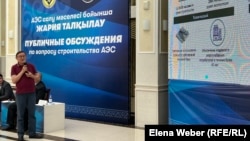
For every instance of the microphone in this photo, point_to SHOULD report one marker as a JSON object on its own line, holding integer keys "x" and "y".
{"x": 25, "y": 64}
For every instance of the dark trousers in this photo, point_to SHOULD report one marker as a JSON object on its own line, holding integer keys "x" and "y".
{"x": 26, "y": 102}
{"x": 12, "y": 116}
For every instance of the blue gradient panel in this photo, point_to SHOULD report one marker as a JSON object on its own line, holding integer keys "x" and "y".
{"x": 197, "y": 102}
{"x": 4, "y": 113}
{"x": 93, "y": 86}
{"x": 39, "y": 113}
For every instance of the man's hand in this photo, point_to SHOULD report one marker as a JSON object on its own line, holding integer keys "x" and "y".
{"x": 29, "y": 74}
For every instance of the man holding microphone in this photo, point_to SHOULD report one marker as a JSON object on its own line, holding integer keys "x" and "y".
{"x": 23, "y": 75}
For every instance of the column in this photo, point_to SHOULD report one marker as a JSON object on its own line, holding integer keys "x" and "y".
{"x": 151, "y": 104}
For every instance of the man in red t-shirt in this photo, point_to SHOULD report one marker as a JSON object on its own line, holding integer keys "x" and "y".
{"x": 23, "y": 75}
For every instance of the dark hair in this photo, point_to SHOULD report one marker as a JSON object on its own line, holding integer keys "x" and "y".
{"x": 1, "y": 75}
{"x": 19, "y": 52}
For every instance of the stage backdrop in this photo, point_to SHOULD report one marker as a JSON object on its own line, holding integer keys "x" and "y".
{"x": 81, "y": 47}
{"x": 209, "y": 62}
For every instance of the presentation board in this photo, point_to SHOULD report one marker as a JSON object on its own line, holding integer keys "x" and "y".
{"x": 209, "y": 61}
{"x": 209, "y": 41}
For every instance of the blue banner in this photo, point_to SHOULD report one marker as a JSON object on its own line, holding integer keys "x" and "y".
{"x": 81, "y": 47}
{"x": 196, "y": 102}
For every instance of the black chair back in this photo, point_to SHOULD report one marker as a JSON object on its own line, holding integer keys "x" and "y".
{"x": 47, "y": 94}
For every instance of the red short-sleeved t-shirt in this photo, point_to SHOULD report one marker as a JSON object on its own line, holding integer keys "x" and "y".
{"x": 25, "y": 84}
